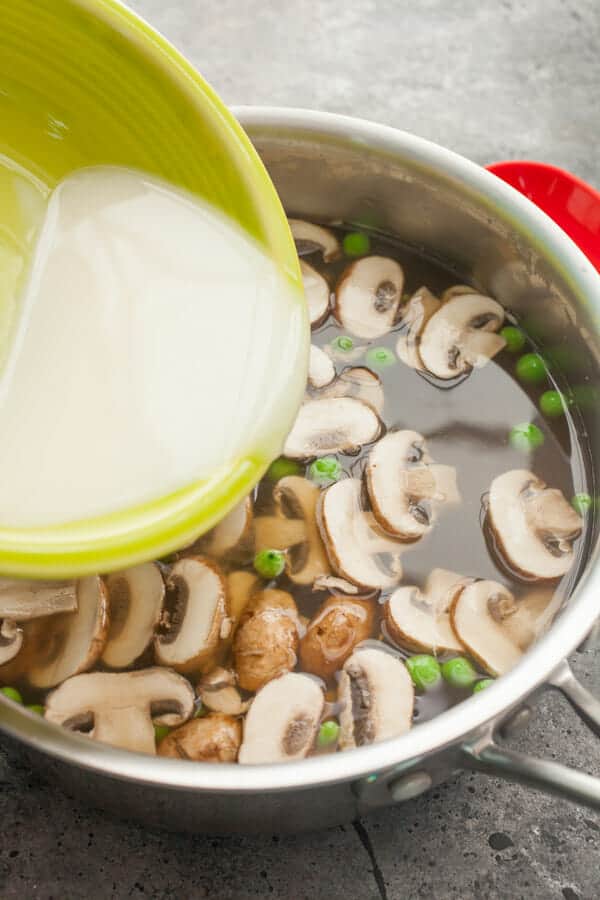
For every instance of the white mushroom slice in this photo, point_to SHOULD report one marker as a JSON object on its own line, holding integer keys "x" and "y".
{"x": 368, "y": 295}
{"x": 457, "y": 290}
{"x": 331, "y": 425}
{"x": 24, "y": 600}
{"x": 119, "y": 708}
{"x": 415, "y": 316}
{"x": 11, "y": 640}
{"x": 352, "y": 543}
{"x": 420, "y": 620}
{"x": 534, "y": 526}
{"x": 377, "y": 697}
{"x": 215, "y": 738}
{"x": 335, "y": 584}
{"x": 233, "y": 535}
{"x": 494, "y": 627}
{"x": 136, "y": 600}
{"x": 297, "y": 497}
{"x": 218, "y": 692}
{"x": 321, "y": 370}
{"x": 311, "y": 238}
{"x": 71, "y": 643}
{"x": 277, "y": 533}
{"x": 360, "y": 383}
{"x": 283, "y": 720}
{"x": 316, "y": 291}
{"x": 195, "y": 620}
{"x": 460, "y": 336}
{"x": 266, "y": 641}
{"x": 405, "y": 487}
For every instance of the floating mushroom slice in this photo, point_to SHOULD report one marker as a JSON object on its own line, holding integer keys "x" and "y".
{"x": 283, "y": 720}
{"x": 316, "y": 291}
{"x": 119, "y": 708}
{"x": 331, "y": 425}
{"x": 334, "y": 631}
{"x": 377, "y": 697}
{"x": 266, "y": 641}
{"x": 136, "y": 600}
{"x": 415, "y": 316}
{"x": 405, "y": 487}
{"x": 218, "y": 692}
{"x": 420, "y": 620}
{"x": 233, "y": 536}
{"x": 195, "y": 621}
{"x": 240, "y": 587}
{"x": 534, "y": 526}
{"x": 321, "y": 370}
{"x": 335, "y": 584}
{"x": 368, "y": 296}
{"x": 215, "y": 738}
{"x": 25, "y": 600}
{"x": 11, "y": 640}
{"x": 461, "y": 335}
{"x": 311, "y": 238}
{"x": 353, "y": 544}
{"x": 360, "y": 383}
{"x": 70, "y": 643}
{"x": 457, "y": 290}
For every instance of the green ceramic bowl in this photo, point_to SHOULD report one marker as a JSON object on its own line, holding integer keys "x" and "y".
{"x": 86, "y": 82}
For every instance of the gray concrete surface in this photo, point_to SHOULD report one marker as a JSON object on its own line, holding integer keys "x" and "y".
{"x": 491, "y": 80}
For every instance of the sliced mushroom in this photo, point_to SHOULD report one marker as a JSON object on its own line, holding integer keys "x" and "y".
{"x": 405, "y": 487}
{"x": 311, "y": 238}
{"x": 240, "y": 587}
{"x": 368, "y": 296}
{"x": 70, "y": 643}
{"x": 215, "y": 738}
{"x": 494, "y": 627}
{"x": 119, "y": 708}
{"x": 218, "y": 692}
{"x": 457, "y": 290}
{"x": 295, "y": 501}
{"x": 331, "y": 425}
{"x": 11, "y": 640}
{"x": 533, "y": 525}
{"x": 321, "y": 370}
{"x": 360, "y": 383}
{"x": 233, "y": 536}
{"x": 316, "y": 291}
{"x": 415, "y": 316}
{"x": 266, "y": 641}
{"x": 332, "y": 634}
{"x": 283, "y": 720}
{"x": 335, "y": 584}
{"x": 21, "y": 601}
{"x": 353, "y": 543}
{"x": 461, "y": 335}
{"x": 136, "y": 600}
{"x": 420, "y": 620}
{"x": 377, "y": 697}
{"x": 195, "y": 620}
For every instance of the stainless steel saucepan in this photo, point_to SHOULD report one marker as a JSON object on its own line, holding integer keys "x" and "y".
{"x": 332, "y": 168}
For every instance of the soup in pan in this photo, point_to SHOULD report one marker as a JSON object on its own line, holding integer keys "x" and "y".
{"x": 421, "y": 529}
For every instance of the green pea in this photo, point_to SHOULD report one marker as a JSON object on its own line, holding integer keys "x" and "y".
{"x": 482, "y": 685}
{"x": 582, "y": 504}
{"x": 36, "y": 708}
{"x": 269, "y": 563}
{"x": 12, "y": 694}
{"x": 380, "y": 358}
{"x": 356, "y": 243}
{"x": 325, "y": 470}
{"x": 526, "y": 437}
{"x": 459, "y": 672}
{"x": 343, "y": 343}
{"x": 552, "y": 404}
{"x": 328, "y": 734}
{"x": 424, "y": 670}
{"x": 514, "y": 337}
{"x": 160, "y": 732}
{"x": 282, "y": 467}
{"x": 531, "y": 368}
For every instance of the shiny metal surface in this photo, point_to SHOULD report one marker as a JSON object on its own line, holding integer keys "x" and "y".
{"x": 332, "y": 167}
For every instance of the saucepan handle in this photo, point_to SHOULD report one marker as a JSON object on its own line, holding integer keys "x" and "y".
{"x": 485, "y": 755}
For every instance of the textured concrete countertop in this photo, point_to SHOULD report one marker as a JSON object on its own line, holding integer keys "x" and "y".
{"x": 509, "y": 78}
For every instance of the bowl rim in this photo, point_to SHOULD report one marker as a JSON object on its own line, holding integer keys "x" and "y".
{"x": 451, "y": 727}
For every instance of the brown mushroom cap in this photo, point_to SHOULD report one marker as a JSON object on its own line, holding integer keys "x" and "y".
{"x": 266, "y": 641}
{"x": 368, "y": 296}
{"x": 311, "y": 238}
{"x": 360, "y": 383}
{"x": 420, "y": 620}
{"x": 377, "y": 695}
{"x": 534, "y": 526}
{"x": 415, "y": 316}
{"x": 119, "y": 708}
{"x": 240, "y": 586}
{"x": 405, "y": 487}
{"x": 334, "y": 631}
{"x": 136, "y": 600}
{"x": 283, "y": 721}
{"x": 331, "y": 425}
{"x": 316, "y": 291}
{"x": 215, "y": 738}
